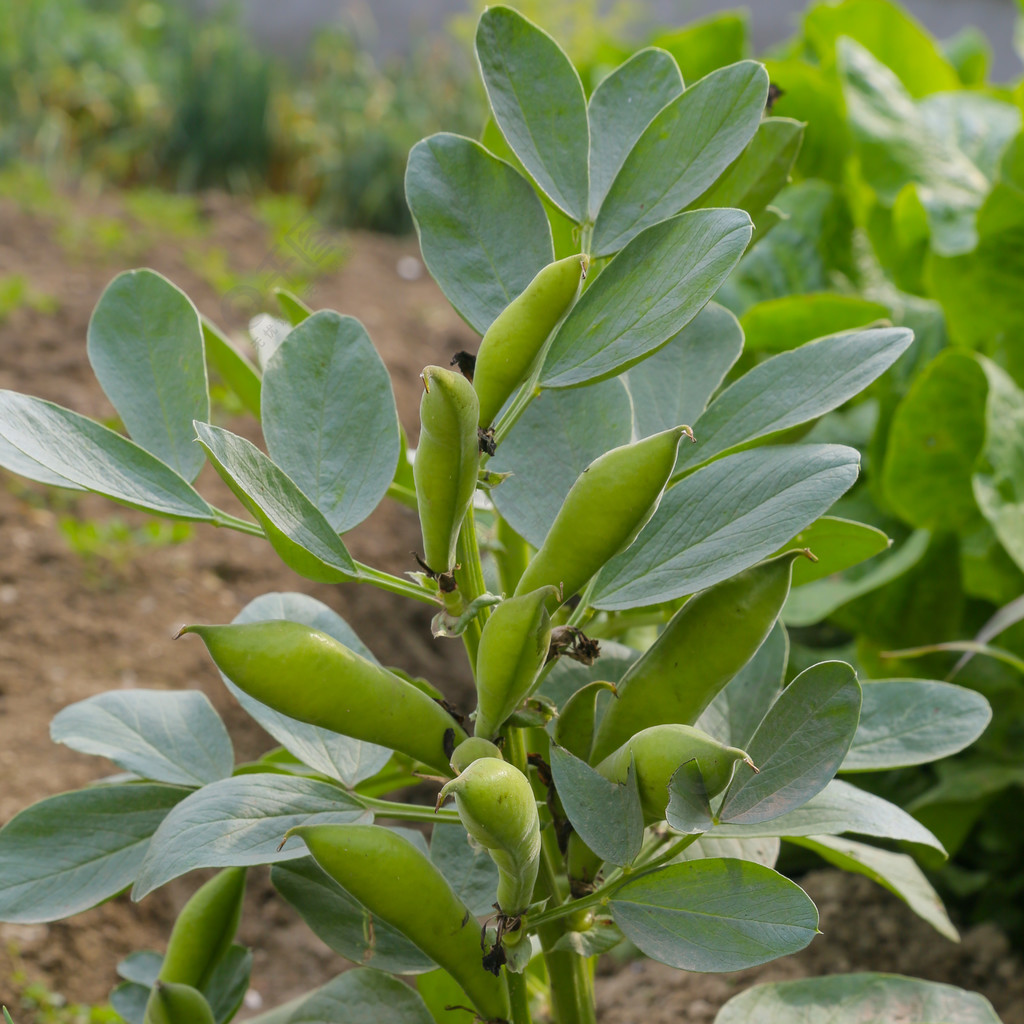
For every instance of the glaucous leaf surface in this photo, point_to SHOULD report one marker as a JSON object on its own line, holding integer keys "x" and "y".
{"x": 913, "y": 721}
{"x": 358, "y": 996}
{"x": 162, "y": 735}
{"x": 714, "y": 915}
{"x": 17, "y": 461}
{"x": 69, "y": 852}
{"x": 763, "y": 850}
{"x": 329, "y": 417}
{"x": 483, "y": 232}
{"x": 95, "y": 458}
{"x": 295, "y": 527}
{"x": 538, "y": 102}
{"x": 240, "y": 821}
{"x": 724, "y": 518}
{"x": 468, "y": 867}
{"x": 145, "y": 345}
{"x": 646, "y": 295}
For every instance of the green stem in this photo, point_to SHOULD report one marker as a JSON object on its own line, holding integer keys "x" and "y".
{"x": 470, "y": 580}
{"x": 519, "y": 997}
{"x": 403, "y": 495}
{"x": 527, "y": 393}
{"x": 405, "y": 812}
{"x": 512, "y": 556}
{"x": 230, "y": 522}
{"x": 393, "y": 584}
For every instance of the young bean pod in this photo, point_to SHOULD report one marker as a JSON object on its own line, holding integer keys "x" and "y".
{"x": 175, "y": 1003}
{"x": 513, "y": 649}
{"x": 398, "y": 884}
{"x": 446, "y": 464}
{"x": 497, "y": 806}
{"x": 608, "y": 505}
{"x": 703, "y": 646}
{"x": 204, "y": 930}
{"x": 472, "y": 750}
{"x": 517, "y": 334}
{"x": 306, "y": 674}
{"x": 658, "y": 752}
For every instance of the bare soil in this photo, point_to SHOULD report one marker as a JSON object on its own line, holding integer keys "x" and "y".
{"x": 74, "y": 624}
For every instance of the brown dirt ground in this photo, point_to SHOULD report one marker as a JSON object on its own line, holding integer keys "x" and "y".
{"x": 72, "y": 626}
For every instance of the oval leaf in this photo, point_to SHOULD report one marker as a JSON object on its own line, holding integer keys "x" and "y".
{"x": 295, "y": 527}
{"x": 329, "y": 417}
{"x": 468, "y": 867}
{"x": 778, "y": 325}
{"x": 483, "y": 232}
{"x": 69, "y": 852}
{"x": 18, "y": 462}
{"x": 697, "y": 539}
{"x": 558, "y": 436}
{"x": 96, "y": 458}
{"x": 798, "y": 746}
{"x": 857, "y": 999}
{"x": 160, "y": 735}
{"x": 837, "y": 544}
{"x": 621, "y": 107}
{"x": 241, "y": 821}
{"x": 913, "y": 721}
{"x": 343, "y": 923}
{"x": 646, "y": 295}
{"x": 793, "y": 388}
{"x": 234, "y": 368}
{"x": 145, "y": 344}
{"x": 359, "y": 997}
{"x": 715, "y": 915}
{"x": 538, "y": 103}
{"x": 682, "y": 151}
{"x": 339, "y": 757}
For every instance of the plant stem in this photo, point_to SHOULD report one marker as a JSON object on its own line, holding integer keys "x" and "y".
{"x": 393, "y": 584}
{"x": 225, "y": 519}
{"x": 519, "y": 997}
{"x": 512, "y": 556}
{"x": 403, "y": 495}
{"x": 470, "y": 580}
{"x": 405, "y": 812}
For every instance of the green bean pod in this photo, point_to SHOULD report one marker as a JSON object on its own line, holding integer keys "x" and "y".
{"x": 446, "y": 464}
{"x": 472, "y": 750}
{"x": 204, "y": 930}
{"x": 176, "y": 1003}
{"x": 305, "y": 674}
{"x": 657, "y": 754}
{"x": 608, "y": 505}
{"x": 497, "y": 806}
{"x": 398, "y": 884}
{"x": 703, "y": 646}
{"x": 519, "y": 331}
{"x": 513, "y": 648}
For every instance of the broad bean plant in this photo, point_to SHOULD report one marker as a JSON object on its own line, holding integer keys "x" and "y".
{"x": 612, "y": 519}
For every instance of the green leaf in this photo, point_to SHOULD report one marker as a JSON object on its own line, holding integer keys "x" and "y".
{"x": 737, "y": 710}
{"x": 142, "y": 967}
{"x": 229, "y": 982}
{"x": 897, "y": 872}
{"x": 673, "y": 385}
{"x": 759, "y": 850}
{"x": 697, "y": 539}
{"x": 682, "y": 152}
{"x": 935, "y": 437}
{"x": 538, "y": 103}
{"x": 890, "y": 34}
{"x": 295, "y": 527}
{"x": 689, "y": 809}
{"x": 96, "y": 458}
{"x": 292, "y": 306}
{"x": 483, "y": 232}
{"x": 646, "y": 295}
{"x": 342, "y": 922}
{"x": 897, "y": 147}
{"x": 161, "y": 735}
{"x": 981, "y": 126}
{"x": 69, "y": 852}
{"x": 17, "y": 461}
{"x": 798, "y": 746}
{"x": 913, "y": 721}
{"x": 236, "y": 371}
{"x": 778, "y": 325}
{"x": 793, "y": 388}
{"x": 715, "y": 915}
{"x": 329, "y": 417}
{"x": 839, "y": 808}
{"x": 600, "y": 937}
{"x": 145, "y": 344}
{"x": 468, "y": 867}
{"x": 815, "y": 601}
{"x": 358, "y": 997}
{"x": 338, "y": 757}
{"x": 706, "y": 44}
{"x": 129, "y": 1001}
{"x": 240, "y": 821}
{"x": 857, "y": 999}
{"x": 837, "y": 544}
{"x": 591, "y": 802}
{"x": 558, "y": 436}
{"x": 757, "y": 175}
{"x": 998, "y": 482}
{"x": 622, "y": 105}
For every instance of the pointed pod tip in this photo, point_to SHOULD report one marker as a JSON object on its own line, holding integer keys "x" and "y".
{"x": 185, "y": 629}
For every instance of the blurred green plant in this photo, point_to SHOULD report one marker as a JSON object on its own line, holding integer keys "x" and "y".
{"x": 16, "y": 292}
